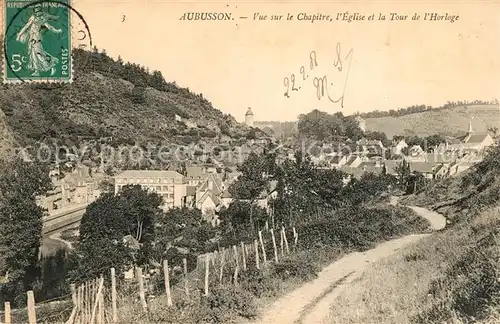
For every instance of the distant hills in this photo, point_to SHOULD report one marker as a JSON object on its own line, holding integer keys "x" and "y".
{"x": 113, "y": 99}
{"x": 450, "y": 121}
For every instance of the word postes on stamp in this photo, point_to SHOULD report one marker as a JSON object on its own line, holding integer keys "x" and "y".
{"x": 38, "y": 41}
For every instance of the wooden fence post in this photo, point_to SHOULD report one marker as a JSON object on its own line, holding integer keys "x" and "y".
{"x": 73, "y": 293}
{"x": 243, "y": 256}
{"x": 286, "y": 241}
{"x": 81, "y": 303}
{"x": 167, "y": 282}
{"x": 207, "y": 271}
{"x": 281, "y": 243}
{"x": 8, "y": 319}
{"x": 256, "y": 245}
{"x": 235, "y": 252}
{"x": 91, "y": 294}
{"x": 113, "y": 296}
{"x": 263, "y": 248}
{"x": 31, "y": 308}
{"x": 222, "y": 260}
{"x": 100, "y": 303}
{"x": 186, "y": 289}
{"x": 75, "y": 304}
{"x": 87, "y": 300}
{"x": 274, "y": 246}
{"x": 97, "y": 297}
{"x": 236, "y": 275}
{"x": 246, "y": 251}
{"x": 142, "y": 293}
{"x": 296, "y": 237}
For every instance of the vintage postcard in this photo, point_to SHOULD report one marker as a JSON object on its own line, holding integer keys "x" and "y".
{"x": 267, "y": 162}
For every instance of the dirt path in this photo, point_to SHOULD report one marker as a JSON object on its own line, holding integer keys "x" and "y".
{"x": 310, "y": 303}
{"x": 437, "y": 220}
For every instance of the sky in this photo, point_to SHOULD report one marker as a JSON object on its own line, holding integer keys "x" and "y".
{"x": 243, "y": 63}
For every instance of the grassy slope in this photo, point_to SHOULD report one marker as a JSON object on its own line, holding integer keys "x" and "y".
{"x": 257, "y": 289}
{"x": 450, "y": 121}
{"x": 453, "y": 275}
{"x": 448, "y": 277}
{"x": 7, "y": 141}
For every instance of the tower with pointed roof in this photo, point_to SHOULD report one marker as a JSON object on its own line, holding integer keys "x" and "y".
{"x": 470, "y": 128}
{"x": 249, "y": 117}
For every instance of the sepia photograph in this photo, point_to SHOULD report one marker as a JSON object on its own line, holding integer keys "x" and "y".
{"x": 249, "y": 162}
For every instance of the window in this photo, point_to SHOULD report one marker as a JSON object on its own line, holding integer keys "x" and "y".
{"x": 158, "y": 180}
{"x": 158, "y": 188}
{"x": 164, "y": 188}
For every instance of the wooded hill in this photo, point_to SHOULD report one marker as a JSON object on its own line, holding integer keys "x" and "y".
{"x": 449, "y": 121}
{"x": 109, "y": 98}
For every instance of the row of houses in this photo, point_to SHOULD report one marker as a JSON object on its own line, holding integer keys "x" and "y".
{"x": 80, "y": 186}
{"x": 200, "y": 188}
{"x": 448, "y": 159}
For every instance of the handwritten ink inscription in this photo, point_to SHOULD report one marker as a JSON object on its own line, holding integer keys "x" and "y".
{"x": 323, "y": 84}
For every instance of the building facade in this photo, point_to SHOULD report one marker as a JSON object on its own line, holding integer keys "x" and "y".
{"x": 170, "y": 185}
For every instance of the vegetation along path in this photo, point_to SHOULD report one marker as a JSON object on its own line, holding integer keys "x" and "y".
{"x": 310, "y": 303}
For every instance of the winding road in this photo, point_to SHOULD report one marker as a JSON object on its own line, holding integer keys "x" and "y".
{"x": 310, "y": 303}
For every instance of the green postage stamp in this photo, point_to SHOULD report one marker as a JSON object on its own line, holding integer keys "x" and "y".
{"x": 37, "y": 41}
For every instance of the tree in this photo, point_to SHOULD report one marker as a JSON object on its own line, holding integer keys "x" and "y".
{"x": 432, "y": 141}
{"x": 20, "y": 226}
{"x": 402, "y": 173}
{"x": 182, "y": 227}
{"x": 380, "y": 136}
{"x": 251, "y": 182}
{"x": 322, "y": 126}
{"x": 105, "y": 224}
{"x": 238, "y": 218}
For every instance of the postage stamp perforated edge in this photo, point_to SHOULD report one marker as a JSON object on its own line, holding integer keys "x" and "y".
{"x": 4, "y": 63}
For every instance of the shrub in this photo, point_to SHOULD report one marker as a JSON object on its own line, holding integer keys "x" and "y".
{"x": 224, "y": 304}
{"x": 260, "y": 283}
{"x": 302, "y": 269}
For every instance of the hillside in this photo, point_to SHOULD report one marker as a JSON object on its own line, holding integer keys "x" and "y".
{"x": 448, "y": 121}
{"x": 453, "y": 274}
{"x": 110, "y": 98}
{"x": 7, "y": 141}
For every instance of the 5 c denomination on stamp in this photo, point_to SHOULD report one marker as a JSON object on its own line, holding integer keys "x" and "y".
{"x": 38, "y": 41}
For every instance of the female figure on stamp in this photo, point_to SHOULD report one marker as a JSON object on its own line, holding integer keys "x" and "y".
{"x": 38, "y": 59}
